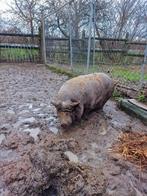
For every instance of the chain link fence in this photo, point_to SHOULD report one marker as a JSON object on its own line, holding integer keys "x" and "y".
{"x": 123, "y": 59}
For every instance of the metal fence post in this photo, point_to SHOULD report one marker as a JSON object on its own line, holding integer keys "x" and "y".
{"x": 43, "y": 46}
{"x": 142, "y": 67}
{"x": 70, "y": 37}
{"x": 94, "y": 21}
{"x": 89, "y": 40}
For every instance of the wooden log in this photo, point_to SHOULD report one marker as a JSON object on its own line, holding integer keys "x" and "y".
{"x": 134, "y": 110}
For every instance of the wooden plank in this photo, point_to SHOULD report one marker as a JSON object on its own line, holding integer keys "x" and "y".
{"x": 133, "y": 110}
{"x": 135, "y": 102}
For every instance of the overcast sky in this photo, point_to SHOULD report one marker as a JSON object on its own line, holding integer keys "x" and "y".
{"x": 4, "y": 5}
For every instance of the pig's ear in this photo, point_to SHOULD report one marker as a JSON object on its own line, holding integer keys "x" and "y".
{"x": 75, "y": 103}
{"x": 57, "y": 104}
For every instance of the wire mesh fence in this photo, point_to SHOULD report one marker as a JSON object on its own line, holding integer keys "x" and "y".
{"x": 121, "y": 59}
{"x": 18, "y": 48}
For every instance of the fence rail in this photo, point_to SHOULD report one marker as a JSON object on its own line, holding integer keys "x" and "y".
{"x": 19, "y": 35}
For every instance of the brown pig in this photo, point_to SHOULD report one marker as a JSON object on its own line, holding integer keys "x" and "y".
{"x": 82, "y": 94}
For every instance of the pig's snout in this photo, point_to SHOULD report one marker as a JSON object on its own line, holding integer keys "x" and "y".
{"x": 65, "y": 119}
{"x": 64, "y": 125}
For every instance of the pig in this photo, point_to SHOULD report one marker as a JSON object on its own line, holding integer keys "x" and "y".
{"x": 80, "y": 95}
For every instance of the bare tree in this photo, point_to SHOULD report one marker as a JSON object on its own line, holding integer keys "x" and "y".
{"x": 128, "y": 16}
{"x": 25, "y": 12}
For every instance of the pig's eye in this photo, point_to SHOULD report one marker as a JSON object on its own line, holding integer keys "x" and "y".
{"x": 67, "y": 110}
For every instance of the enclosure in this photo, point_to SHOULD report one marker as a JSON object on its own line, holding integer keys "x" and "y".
{"x": 45, "y": 44}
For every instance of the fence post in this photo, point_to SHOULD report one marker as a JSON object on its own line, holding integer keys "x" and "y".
{"x": 43, "y": 46}
{"x": 142, "y": 67}
{"x": 70, "y": 37}
{"x": 89, "y": 40}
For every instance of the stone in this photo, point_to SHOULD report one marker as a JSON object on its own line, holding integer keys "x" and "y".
{"x": 23, "y": 112}
{"x": 2, "y": 137}
{"x": 115, "y": 170}
{"x": 30, "y": 106}
{"x": 36, "y": 110}
{"x": 10, "y": 112}
{"x": 41, "y": 115}
{"x": 71, "y": 156}
{"x": 54, "y": 130}
{"x": 27, "y": 120}
{"x": 42, "y": 104}
{"x": 51, "y": 119}
{"x": 5, "y": 127}
{"x": 33, "y": 132}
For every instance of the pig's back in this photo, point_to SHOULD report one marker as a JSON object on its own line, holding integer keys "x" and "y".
{"x": 85, "y": 87}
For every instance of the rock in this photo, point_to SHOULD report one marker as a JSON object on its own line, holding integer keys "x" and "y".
{"x": 54, "y": 130}
{"x": 41, "y": 115}
{"x": 36, "y": 110}
{"x": 10, "y": 112}
{"x": 42, "y": 104}
{"x": 23, "y": 112}
{"x": 5, "y": 127}
{"x": 115, "y": 170}
{"x": 71, "y": 156}
{"x": 33, "y": 132}
{"x": 30, "y": 106}
{"x": 23, "y": 121}
{"x": 2, "y": 137}
{"x": 51, "y": 119}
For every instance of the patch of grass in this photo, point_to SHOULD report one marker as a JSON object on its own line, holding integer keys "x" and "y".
{"x": 129, "y": 73}
{"x": 117, "y": 95}
{"x": 18, "y": 53}
{"x": 141, "y": 97}
{"x": 63, "y": 71}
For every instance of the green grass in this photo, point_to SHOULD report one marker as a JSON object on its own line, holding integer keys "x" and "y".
{"x": 18, "y": 54}
{"x": 119, "y": 72}
{"x": 126, "y": 74}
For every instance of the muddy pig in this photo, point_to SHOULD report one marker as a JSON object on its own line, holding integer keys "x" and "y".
{"x": 82, "y": 94}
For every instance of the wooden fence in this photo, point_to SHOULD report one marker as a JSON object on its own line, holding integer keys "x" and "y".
{"x": 107, "y": 51}
{"x": 19, "y": 48}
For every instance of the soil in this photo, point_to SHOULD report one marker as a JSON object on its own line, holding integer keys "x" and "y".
{"x": 39, "y": 158}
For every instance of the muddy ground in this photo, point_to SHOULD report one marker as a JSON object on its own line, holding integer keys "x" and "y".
{"x": 30, "y": 133}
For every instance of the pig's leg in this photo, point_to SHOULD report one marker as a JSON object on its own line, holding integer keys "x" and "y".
{"x": 79, "y": 112}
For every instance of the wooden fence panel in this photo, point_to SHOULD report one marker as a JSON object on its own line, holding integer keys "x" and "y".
{"x": 19, "y": 48}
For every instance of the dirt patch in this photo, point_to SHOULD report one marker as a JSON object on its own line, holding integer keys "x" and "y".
{"x": 34, "y": 162}
{"x": 43, "y": 169}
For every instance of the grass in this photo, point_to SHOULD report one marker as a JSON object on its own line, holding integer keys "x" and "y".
{"x": 126, "y": 73}
{"x": 18, "y": 54}
{"x": 130, "y": 73}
